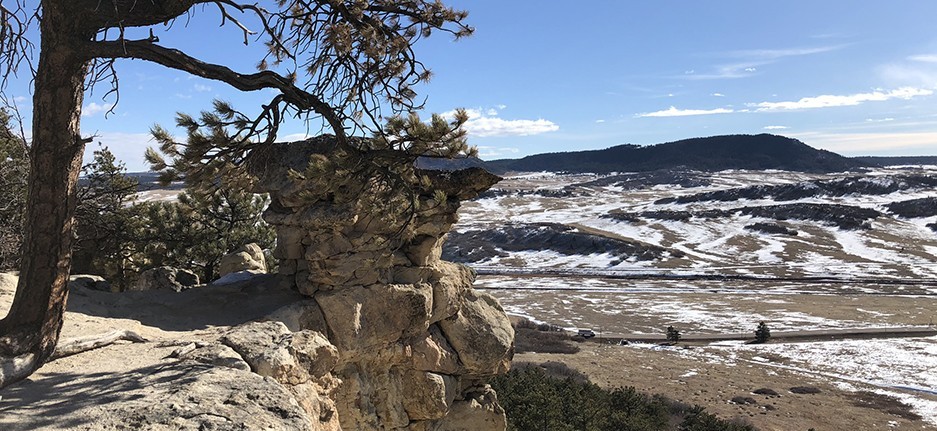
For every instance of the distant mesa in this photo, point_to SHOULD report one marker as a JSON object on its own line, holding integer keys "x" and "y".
{"x": 716, "y": 153}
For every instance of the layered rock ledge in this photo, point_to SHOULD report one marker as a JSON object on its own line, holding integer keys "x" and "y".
{"x": 402, "y": 339}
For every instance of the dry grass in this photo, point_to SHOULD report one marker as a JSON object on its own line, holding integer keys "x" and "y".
{"x": 885, "y": 403}
{"x": 541, "y": 338}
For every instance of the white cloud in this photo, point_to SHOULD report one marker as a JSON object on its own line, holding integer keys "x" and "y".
{"x": 484, "y": 124}
{"x": 600, "y": 121}
{"x": 292, "y": 137}
{"x": 184, "y": 96}
{"x": 772, "y": 54}
{"x": 493, "y": 126}
{"x": 749, "y": 61}
{"x": 924, "y": 58}
{"x": 829, "y": 101}
{"x": 718, "y": 95}
{"x": 774, "y": 127}
{"x": 502, "y": 107}
{"x": 674, "y": 112}
{"x": 879, "y": 120}
{"x": 202, "y": 88}
{"x": 492, "y": 112}
{"x": 127, "y": 147}
{"x": 487, "y": 152}
{"x": 93, "y": 108}
{"x": 918, "y": 73}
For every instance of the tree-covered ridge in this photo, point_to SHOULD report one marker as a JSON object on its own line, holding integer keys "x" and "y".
{"x": 715, "y": 153}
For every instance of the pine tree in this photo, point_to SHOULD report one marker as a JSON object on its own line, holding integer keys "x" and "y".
{"x": 105, "y": 220}
{"x": 341, "y": 64}
{"x": 762, "y": 333}
{"x": 14, "y": 166}
{"x": 201, "y": 227}
{"x": 673, "y": 335}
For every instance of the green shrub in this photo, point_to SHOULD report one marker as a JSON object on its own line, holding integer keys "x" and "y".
{"x": 762, "y": 333}
{"x": 552, "y": 396}
{"x": 673, "y": 335}
{"x": 14, "y": 170}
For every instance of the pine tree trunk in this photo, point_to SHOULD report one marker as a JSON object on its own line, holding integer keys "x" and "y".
{"x": 31, "y": 329}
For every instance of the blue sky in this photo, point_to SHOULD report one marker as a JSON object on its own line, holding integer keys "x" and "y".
{"x": 855, "y": 77}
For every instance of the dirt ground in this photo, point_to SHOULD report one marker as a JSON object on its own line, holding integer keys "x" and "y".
{"x": 714, "y": 384}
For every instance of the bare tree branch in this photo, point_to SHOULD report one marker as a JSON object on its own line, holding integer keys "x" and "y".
{"x": 175, "y": 59}
{"x": 15, "y": 47}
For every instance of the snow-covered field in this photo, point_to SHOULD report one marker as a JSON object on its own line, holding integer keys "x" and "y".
{"x": 880, "y": 277}
{"x": 894, "y": 247}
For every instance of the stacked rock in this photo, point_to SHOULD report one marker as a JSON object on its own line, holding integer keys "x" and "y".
{"x": 415, "y": 342}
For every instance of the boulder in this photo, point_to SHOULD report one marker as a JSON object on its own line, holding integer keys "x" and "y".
{"x": 428, "y": 395}
{"x": 481, "y": 334}
{"x": 201, "y": 397}
{"x": 433, "y": 353}
{"x": 217, "y": 355}
{"x": 479, "y": 412}
{"x": 301, "y": 315}
{"x": 265, "y": 346}
{"x": 165, "y": 277}
{"x": 93, "y": 282}
{"x": 364, "y": 318}
{"x": 249, "y": 257}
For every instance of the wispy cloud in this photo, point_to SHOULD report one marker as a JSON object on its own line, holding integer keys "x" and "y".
{"x": 917, "y": 70}
{"x": 294, "y": 137}
{"x": 879, "y": 120}
{"x": 830, "y": 101}
{"x": 775, "y": 127}
{"x": 774, "y": 54}
{"x": 201, "y": 88}
{"x": 727, "y": 71}
{"x": 93, "y": 109}
{"x": 487, "y": 123}
{"x": 674, "y": 112}
{"x": 486, "y": 152}
{"x": 746, "y": 62}
{"x": 924, "y": 58}
{"x": 718, "y": 95}
{"x": 127, "y": 147}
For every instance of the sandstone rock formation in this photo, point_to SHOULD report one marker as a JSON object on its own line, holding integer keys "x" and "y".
{"x": 249, "y": 257}
{"x": 165, "y": 277}
{"x": 401, "y": 340}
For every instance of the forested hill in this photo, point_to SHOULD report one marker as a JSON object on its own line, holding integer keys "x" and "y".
{"x": 714, "y": 153}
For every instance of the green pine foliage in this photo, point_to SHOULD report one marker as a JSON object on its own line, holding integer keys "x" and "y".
{"x": 195, "y": 232}
{"x": 14, "y": 171}
{"x": 762, "y": 333}
{"x": 106, "y": 221}
{"x": 118, "y": 238}
{"x": 535, "y": 399}
{"x": 673, "y": 335}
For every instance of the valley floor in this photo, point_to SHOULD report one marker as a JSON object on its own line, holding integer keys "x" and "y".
{"x": 714, "y": 254}
{"x": 698, "y": 375}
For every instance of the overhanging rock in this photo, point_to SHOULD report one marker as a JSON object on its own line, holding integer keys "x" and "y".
{"x": 415, "y": 342}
